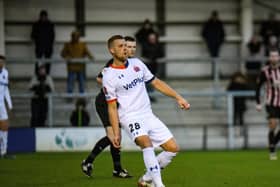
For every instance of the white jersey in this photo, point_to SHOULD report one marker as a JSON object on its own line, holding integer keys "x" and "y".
{"x": 4, "y": 94}
{"x": 126, "y": 85}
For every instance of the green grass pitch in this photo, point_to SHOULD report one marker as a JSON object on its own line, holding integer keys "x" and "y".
{"x": 189, "y": 169}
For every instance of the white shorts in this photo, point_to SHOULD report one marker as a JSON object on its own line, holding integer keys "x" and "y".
{"x": 148, "y": 125}
{"x": 3, "y": 112}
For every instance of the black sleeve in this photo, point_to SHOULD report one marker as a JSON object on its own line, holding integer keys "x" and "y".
{"x": 99, "y": 75}
{"x": 261, "y": 79}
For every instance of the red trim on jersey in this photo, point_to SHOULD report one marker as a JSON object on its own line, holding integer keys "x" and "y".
{"x": 117, "y": 67}
{"x": 112, "y": 100}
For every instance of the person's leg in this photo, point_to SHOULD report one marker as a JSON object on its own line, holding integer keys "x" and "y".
{"x": 272, "y": 123}
{"x": 98, "y": 148}
{"x": 4, "y": 136}
{"x": 39, "y": 55}
{"x": 70, "y": 82}
{"x": 36, "y": 112}
{"x": 150, "y": 160}
{"x": 44, "y": 111}
{"x": 48, "y": 55}
{"x": 81, "y": 80}
{"x": 170, "y": 150}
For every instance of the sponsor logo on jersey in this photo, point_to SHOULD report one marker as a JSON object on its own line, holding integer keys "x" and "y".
{"x": 134, "y": 83}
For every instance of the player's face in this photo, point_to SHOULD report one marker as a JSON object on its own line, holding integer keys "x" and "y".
{"x": 119, "y": 50}
{"x": 274, "y": 57}
{"x": 131, "y": 49}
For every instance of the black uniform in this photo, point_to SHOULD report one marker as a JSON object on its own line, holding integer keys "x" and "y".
{"x": 101, "y": 103}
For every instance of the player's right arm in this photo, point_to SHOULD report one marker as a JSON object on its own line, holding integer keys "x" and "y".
{"x": 109, "y": 89}
{"x": 261, "y": 79}
{"x": 114, "y": 121}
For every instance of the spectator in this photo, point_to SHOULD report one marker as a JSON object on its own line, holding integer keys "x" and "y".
{"x": 152, "y": 50}
{"x": 80, "y": 116}
{"x": 269, "y": 28}
{"x": 238, "y": 82}
{"x": 5, "y": 108}
{"x": 143, "y": 33}
{"x": 214, "y": 35}
{"x": 254, "y": 61}
{"x": 40, "y": 85}
{"x": 254, "y": 45}
{"x": 75, "y": 49}
{"x": 273, "y": 45}
{"x": 43, "y": 36}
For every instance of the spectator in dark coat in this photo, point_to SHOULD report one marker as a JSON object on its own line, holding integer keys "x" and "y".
{"x": 152, "y": 51}
{"x": 268, "y": 29}
{"x": 43, "y": 35}
{"x": 80, "y": 116}
{"x": 214, "y": 34}
{"x": 41, "y": 84}
{"x": 238, "y": 83}
{"x": 143, "y": 33}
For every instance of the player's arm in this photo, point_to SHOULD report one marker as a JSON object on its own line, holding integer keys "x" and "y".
{"x": 8, "y": 98}
{"x": 261, "y": 79}
{"x": 7, "y": 95}
{"x": 168, "y": 91}
{"x": 114, "y": 121}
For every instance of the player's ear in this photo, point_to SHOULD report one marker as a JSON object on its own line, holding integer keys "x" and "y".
{"x": 112, "y": 51}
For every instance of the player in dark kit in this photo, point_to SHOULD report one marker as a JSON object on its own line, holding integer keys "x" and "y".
{"x": 270, "y": 75}
{"x": 102, "y": 110}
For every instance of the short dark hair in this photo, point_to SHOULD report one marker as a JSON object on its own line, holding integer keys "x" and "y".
{"x": 43, "y": 13}
{"x": 129, "y": 38}
{"x": 112, "y": 39}
{"x": 2, "y": 57}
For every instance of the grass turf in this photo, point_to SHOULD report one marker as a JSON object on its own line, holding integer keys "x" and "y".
{"x": 189, "y": 169}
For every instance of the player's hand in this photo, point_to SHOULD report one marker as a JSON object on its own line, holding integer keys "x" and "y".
{"x": 258, "y": 107}
{"x": 117, "y": 141}
{"x": 183, "y": 104}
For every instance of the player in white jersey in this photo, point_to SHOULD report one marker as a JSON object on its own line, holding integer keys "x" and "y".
{"x": 4, "y": 96}
{"x": 124, "y": 83}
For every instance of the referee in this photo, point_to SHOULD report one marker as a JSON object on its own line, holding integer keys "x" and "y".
{"x": 270, "y": 76}
{"x": 102, "y": 110}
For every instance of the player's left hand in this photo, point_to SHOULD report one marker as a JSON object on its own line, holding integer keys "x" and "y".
{"x": 183, "y": 104}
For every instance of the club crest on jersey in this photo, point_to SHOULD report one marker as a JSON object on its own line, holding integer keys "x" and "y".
{"x": 136, "y": 68}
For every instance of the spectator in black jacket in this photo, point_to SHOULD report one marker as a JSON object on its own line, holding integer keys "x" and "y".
{"x": 143, "y": 33}
{"x": 238, "y": 82}
{"x": 80, "y": 116}
{"x": 269, "y": 28}
{"x": 214, "y": 35}
{"x": 152, "y": 51}
{"x": 40, "y": 85}
{"x": 43, "y": 36}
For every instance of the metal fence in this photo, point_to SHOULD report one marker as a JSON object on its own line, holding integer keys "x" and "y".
{"x": 216, "y": 95}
